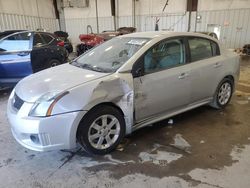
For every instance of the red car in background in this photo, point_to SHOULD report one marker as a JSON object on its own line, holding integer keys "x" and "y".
{"x": 88, "y": 41}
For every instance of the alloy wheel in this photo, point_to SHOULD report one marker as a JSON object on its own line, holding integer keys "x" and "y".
{"x": 224, "y": 93}
{"x": 104, "y": 132}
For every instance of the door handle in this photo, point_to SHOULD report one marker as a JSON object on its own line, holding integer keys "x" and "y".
{"x": 217, "y": 64}
{"x": 183, "y": 75}
{"x": 23, "y": 53}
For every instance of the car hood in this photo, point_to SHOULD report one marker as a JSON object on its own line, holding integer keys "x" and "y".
{"x": 56, "y": 79}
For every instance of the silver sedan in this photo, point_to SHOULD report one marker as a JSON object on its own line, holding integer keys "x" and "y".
{"x": 123, "y": 84}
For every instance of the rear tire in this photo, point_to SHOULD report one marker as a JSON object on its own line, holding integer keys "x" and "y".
{"x": 101, "y": 130}
{"x": 53, "y": 63}
{"x": 223, "y": 94}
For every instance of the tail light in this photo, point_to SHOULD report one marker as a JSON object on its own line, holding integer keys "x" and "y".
{"x": 60, "y": 43}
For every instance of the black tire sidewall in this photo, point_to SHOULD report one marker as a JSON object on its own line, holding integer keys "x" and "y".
{"x": 82, "y": 132}
{"x": 53, "y": 61}
{"x": 225, "y": 80}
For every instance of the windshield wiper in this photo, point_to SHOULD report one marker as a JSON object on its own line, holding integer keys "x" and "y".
{"x": 90, "y": 67}
{"x": 85, "y": 66}
{"x": 99, "y": 69}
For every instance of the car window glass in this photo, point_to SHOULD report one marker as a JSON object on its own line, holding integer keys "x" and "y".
{"x": 200, "y": 49}
{"x": 111, "y": 55}
{"x": 215, "y": 49}
{"x": 164, "y": 55}
{"x": 16, "y": 42}
{"x": 38, "y": 40}
{"x": 47, "y": 38}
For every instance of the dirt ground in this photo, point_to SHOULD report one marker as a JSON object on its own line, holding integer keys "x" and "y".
{"x": 200, "y": 148}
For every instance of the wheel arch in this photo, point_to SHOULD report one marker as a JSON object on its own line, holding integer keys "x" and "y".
{"x": 231, "y": 77}
{"x": 98, "y": 105}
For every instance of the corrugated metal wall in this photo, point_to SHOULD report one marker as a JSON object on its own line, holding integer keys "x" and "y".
{"x": 235, "y": 24}
{"x": 14, "y": 21}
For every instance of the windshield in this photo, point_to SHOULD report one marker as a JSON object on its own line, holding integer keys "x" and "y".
{"x": 111, "y": 55}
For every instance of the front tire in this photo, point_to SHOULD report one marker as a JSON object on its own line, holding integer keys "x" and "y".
{"x": 101, "y": 130}
{"x": 223, "y": 94}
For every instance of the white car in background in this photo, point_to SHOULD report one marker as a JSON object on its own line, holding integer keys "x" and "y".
{"x": 123, "y": 84}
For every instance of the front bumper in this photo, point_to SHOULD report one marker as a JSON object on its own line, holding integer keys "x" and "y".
{"x": 43, "y": 133}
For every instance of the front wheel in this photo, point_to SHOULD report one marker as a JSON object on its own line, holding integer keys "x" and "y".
{"x": 223, "y": 94}
{"x": 101, "y": 130}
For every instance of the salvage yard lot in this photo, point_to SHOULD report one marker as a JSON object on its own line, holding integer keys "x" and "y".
{"x": 200, "y": 148}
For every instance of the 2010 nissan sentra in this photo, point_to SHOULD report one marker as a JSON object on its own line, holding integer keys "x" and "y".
{"x": 123, "y": 84}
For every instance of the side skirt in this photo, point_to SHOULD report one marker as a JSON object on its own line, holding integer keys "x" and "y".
{"x": 160, "y": 117}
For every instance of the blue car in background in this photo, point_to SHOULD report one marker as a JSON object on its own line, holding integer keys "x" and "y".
{"x": 25, "y": 52}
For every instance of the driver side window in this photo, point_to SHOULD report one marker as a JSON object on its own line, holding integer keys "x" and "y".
{"x": 164, "y": 55}
{"x": 16, "y": 42}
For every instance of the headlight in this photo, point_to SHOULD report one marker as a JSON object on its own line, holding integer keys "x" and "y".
{"x": 45, "y": 104}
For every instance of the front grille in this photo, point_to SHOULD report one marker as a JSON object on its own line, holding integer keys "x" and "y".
{"x": 17, "y": 102}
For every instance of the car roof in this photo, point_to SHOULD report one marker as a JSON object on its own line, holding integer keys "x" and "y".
{"x": 8, "y": 33}
{"x": 156, "y": 34}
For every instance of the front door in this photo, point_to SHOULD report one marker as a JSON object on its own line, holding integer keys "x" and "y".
{"x": 15, "y": 57}
{"x": 164, "y": 86}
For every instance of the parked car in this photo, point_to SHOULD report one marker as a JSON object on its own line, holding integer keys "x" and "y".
{"x": 124, "y": 84}
{"x": 91, "y": 39}
{"x": 64, "y": 37}
{"x": 25, "y": 52}
{"x": 246, "y": 49}
{"x": 88, "y": 41}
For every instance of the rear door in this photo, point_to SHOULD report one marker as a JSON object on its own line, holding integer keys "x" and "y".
{"x": 39, "y": 53}
{"x": 45, "y": 50}
{"x": 206, "y": 67}
{"x": 15, "y": 61}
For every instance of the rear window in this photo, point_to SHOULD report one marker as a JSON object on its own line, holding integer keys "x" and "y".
{"x": 201, "y": 48}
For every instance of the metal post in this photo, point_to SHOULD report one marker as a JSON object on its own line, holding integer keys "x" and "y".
{"x": 114, "y": 17}
{"x": 117, "y": 13}
{"x": 189, "y": 20}
{"x": 97, "y": 19}
{"x": 195, "y": 27}
{"x": 133, "y": 13}
{"x": 39, "y": 18}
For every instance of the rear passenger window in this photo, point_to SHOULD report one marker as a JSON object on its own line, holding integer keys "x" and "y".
{"x": 215, "y": 49}
{"x": 201, "y": 48}
{"x": 47, "y": 38}
{"x": 38, "y": 40}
